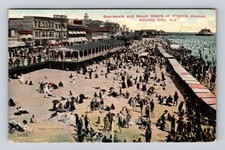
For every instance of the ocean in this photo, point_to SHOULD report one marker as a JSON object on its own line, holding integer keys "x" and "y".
{"x": 205, "y": 44}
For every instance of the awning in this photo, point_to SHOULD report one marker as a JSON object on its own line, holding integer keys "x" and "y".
{"x": 30, "y": 36}
{"x": 70, "y": 40}
{"x": 205, "y": 95}
{"x": 58, "y": 43}
{"x": 12, "y": 44}
{"x": 200, "y": 90}
{"x": 51, "y": 42}
{"x": 26, "y": 36}
{"x": 105, "y": 37}
{"x": 94, "y": 38}
{"x": 191, "y": 81}
{"x": 209, "y": 101}
{"x": 23, "y": 36}
{"x": 84, "y": 39}
{"x": 196, "y": 86}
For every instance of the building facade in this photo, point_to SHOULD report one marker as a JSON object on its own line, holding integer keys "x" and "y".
{"x": 40, "y": 29}
{"x": 76, "y": 32}
{"x": 100, "y": 28}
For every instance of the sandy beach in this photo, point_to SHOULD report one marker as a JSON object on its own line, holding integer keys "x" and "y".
{"x": 28, "y": 97}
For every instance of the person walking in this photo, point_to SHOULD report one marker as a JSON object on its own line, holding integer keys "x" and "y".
{"x": 175, "y": 97}
{"x": 86, "y": 122}
{"x": 148, "y": 134}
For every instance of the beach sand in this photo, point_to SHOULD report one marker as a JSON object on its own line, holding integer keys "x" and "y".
{"x": 28, "y": 97}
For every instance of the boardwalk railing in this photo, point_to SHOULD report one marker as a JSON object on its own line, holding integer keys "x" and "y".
{"x": 21, "y": 62}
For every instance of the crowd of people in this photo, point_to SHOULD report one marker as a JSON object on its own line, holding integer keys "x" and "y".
{"x": 183, "y": 122}
{"x": 25, "y": 56}
{"x": 203, "y": 70}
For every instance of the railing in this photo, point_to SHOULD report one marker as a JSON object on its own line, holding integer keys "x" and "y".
{"x": 84, "y": 58}
{"x": 19, "y": 62}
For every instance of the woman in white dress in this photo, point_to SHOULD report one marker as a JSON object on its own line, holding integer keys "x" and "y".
{"x": 21, "y": 78}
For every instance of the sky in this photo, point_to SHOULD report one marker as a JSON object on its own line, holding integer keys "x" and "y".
{"x": 169, "y": 20}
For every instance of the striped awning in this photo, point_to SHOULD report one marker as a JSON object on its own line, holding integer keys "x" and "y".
{"x": 12, "y": 44}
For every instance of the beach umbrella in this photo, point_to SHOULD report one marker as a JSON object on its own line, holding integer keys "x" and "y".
{"x": 82, "y": 96}
{"x": 55, "y": 101}
{"x": 103, "y": 90}
{"x": 111, "y": 88}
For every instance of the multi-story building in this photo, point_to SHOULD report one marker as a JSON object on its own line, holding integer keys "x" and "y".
{"x": 98, "y": 28}
{"x": 76, "y": 32}
{"x": 40, "y": 29}
{"x": 20, "y": 31}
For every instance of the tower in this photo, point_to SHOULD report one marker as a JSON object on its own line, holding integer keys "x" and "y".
{"x": 86, "y": 17}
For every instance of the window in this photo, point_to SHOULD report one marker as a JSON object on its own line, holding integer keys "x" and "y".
{"x": 64, "y": 26}
{"x": 35, "y": 24}
{"x": 43, "y": 34}
{"x": 36, "y": 34}
{"x": 51, "y": 34}
{"x": 56, "y": 34}
{"x": 42, "y": 24}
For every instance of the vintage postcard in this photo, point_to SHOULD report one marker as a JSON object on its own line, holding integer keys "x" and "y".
{"x": 112, "y": 75}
